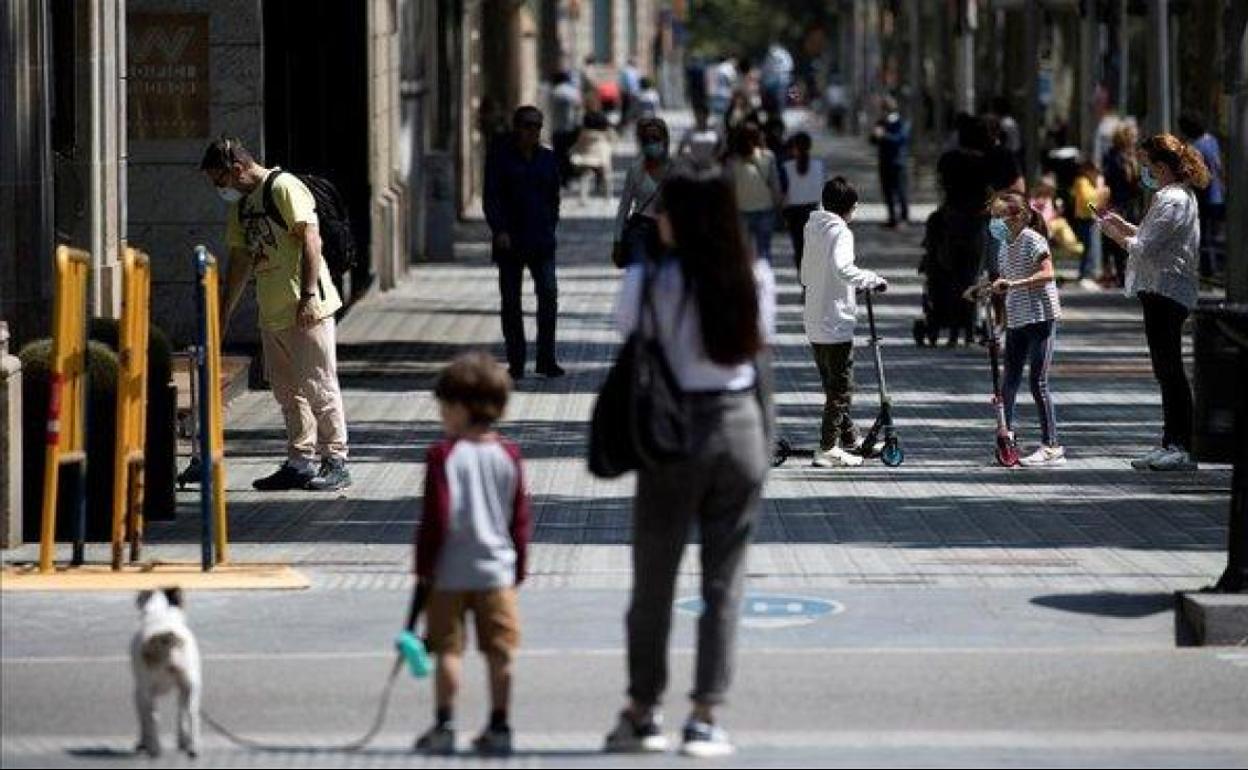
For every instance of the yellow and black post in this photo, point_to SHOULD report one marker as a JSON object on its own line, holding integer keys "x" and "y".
{"x": 128, "y": 463}
{"x": 66, "y": 403}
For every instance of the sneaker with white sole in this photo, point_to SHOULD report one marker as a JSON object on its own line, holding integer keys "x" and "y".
{"x": 1044, "y": 456}
{"x": 1174, "y": 459}
{"x": 835, "y": 458}
{"x": 704, "y": 740}
{"x": 633, "y": 737}
{"x": 1145, "y": 462}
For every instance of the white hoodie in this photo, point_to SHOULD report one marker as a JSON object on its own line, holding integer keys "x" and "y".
{"x": 831, "y": 278}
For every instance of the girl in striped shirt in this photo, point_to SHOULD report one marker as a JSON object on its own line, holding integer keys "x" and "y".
{"x": 1024, "y": 270}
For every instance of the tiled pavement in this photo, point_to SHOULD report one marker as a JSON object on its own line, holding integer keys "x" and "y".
{"x": 946, "y": 518}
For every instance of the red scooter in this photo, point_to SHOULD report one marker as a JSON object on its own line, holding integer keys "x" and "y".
{"x": 1007, "y": 449}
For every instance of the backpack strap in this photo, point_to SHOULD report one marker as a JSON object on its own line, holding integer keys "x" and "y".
{"x": 270, "y": 206}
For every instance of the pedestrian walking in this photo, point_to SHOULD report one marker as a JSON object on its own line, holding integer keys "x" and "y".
{"x": 1212, "y": 199}
{"x": 701, "y": 145}
{"x": 1025, "y": 276}
{"x": 591, "y": 154}
{"x": 521, "y": 201}
{"x": 832, "y": 281}
{"x": 711, "y": 307}
{"x": 565, "y": 118}
{"x": 471, "y": 546}
{"x": 1089, "y": 194}
{"x": 891, "y": 136}
{"x": 630, "y": 87}
{"x": 636, "y": 218}
{"x": 755, "y": 177}
{"x": 804, "y": 177}
{"x": 1126, "y": 197}
{"x": 297, "y": 301}
{"x": 1163, "y": 257}
{"x": 649, "y": 102}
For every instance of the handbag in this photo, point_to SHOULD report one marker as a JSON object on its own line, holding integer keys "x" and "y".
{"x": 640, "y": 232}
{"x": 641, "y": 417}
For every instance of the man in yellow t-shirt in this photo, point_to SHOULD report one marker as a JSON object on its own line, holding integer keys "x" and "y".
{"x": 297, "y": 303}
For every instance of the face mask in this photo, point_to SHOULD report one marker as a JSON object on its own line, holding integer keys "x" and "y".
{"x": 653, "y": 150}
{"x": 229, "y": 194}
{"x": 1147, "y": 179}
{"x": 999, "y": 229}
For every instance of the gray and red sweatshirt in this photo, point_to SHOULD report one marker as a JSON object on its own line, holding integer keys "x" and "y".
{"x": 474, "y": 532}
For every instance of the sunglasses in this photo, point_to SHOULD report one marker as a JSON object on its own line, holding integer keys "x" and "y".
{"x": 530, "y": 124}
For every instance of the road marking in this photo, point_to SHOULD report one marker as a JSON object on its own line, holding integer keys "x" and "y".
{"x": 1237, "y": 659}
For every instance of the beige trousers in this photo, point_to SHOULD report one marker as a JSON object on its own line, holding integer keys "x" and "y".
{"x": 302, "y": 367}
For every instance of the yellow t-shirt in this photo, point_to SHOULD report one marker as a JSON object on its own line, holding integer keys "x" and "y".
{"x": 276, "y": 253}
{"x": 1084, "y": 192}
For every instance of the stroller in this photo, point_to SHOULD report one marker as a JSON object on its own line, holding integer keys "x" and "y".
{"x": 953, "y": 247}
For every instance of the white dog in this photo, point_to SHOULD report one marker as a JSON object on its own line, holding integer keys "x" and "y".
{"x": 165, "y": 657}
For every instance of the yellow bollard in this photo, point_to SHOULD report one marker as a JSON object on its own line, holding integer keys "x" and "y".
{"x": 128, "y": 462}
{"x": 216, "y": 411}
{"x": 65, "y": 405}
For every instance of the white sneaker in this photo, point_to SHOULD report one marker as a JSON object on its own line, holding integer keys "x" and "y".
{"x": 1089, "y": 284}
{"x": 835, "y": 458}
{"x": 1146, "y": 462}
{"x": 1044, "y": 456}
{"x": 705, "y": 741}
{"x": 1174, "y": 459}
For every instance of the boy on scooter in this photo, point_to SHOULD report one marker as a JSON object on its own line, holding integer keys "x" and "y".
{"x": 831, "y": 280}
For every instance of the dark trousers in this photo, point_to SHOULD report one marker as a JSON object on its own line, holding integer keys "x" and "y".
{"x": 563, "y": 143}
{"x": 893, "y": 180}
{"x": 720, "y": 487}
{"x": 836, "y": 372}
{"x": 1163, "y": 325}
{"x": 510, "y": 278}
{"x": 1212, "y": 215}
{"x": 795, "y": 218}
{"x": 1032, "y": 345}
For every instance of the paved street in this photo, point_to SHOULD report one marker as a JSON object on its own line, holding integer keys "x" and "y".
{"x": 946, "y": 612}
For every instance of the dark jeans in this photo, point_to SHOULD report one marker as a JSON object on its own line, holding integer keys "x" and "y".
{"x": 759, "y": 226}
{"x": 1031, "y": 344}
{"x": 1087, "y": 262}
{"x": 893, "y": 180}
{"x": 510, "y": 278}
{"x": 719, "y": 486}
{"x": 1163, "y": 325}
{"x": 1212, "y": 216}
{"x": 836, "y": 372}
{"x": 795, "y": 218}
{"x": 563, "y": 142}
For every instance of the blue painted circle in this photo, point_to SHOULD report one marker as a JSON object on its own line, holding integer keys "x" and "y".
{"x": 773, "y": 607}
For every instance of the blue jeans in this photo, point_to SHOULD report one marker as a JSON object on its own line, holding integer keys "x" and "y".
{"x": 759, "y": 225}
{"x": 1091, "y": 247}
{"x": 1031, "y": 344}
{"x": 510, "y": 278}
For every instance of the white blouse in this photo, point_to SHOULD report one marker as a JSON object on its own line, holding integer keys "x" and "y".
{"x": 680, "y": 325}
{"x": 1164, "y": 254}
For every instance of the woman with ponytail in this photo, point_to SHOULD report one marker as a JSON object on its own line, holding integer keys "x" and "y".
{"x": 1163, "y": 256}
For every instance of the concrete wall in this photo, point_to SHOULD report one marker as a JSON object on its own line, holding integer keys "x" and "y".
{"x": 386, "y": 174}
{"x": 171, "y": 207}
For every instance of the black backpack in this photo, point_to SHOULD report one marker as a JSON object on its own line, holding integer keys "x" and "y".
{"x": 337, "y": 242}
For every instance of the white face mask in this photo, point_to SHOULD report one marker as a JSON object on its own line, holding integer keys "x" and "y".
{"x": 229, "y": 194}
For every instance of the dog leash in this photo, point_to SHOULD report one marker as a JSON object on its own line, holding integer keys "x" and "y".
{"x": 355, "y": 745}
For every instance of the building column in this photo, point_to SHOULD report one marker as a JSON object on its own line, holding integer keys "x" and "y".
{"x": 1160, "y": 118}
{"x": 27, "y": 232}
{"x": 107, "y": 122}
{"x": 964, "y": 54}
{"x": 1235, "y": 22}
{"x": 1031, "y": 107}
{"x": 1089, "y": 57}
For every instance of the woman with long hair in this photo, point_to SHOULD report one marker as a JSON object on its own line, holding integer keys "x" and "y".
{"x": 805, "y": 177}
{"x": 713, "y": 309}
{"x": 1163, "y": 256}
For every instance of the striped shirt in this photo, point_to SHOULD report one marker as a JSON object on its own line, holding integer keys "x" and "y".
{"x": 1016, "y": 261}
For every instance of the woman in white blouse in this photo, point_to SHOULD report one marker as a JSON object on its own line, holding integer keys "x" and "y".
{"x": 1163, "y": 254}
{"x": 636, "y": 220}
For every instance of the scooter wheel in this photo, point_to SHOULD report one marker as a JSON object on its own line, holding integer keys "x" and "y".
{"x": 781, "y": 452}
{"x": 892, "y": 455}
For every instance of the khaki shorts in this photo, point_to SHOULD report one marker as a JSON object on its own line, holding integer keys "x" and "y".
{"x": 496, "y": 615}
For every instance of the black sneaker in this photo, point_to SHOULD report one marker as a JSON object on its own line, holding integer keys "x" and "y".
{"x": 551, "y": 369}
{"x": 438, "y": 740}
{"x": 493, "y": 742}
{"x": 630, "y": 737}
{"x": 332, "y": 476}
{"x": 516, "y": 372}
{"x": 286, "y": 477}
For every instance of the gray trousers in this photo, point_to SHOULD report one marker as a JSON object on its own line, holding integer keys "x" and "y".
{"x": 719, "y": 487}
